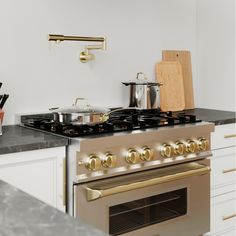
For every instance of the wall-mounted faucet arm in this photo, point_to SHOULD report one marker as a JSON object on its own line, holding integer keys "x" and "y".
{"x": 58, "y": 37}
{"x": 85, "y": 56}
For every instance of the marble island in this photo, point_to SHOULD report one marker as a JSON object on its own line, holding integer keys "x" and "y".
{"x": 24, "y": 215}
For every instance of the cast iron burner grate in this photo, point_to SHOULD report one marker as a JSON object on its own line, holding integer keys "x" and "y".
{"x": 126, "y": 120}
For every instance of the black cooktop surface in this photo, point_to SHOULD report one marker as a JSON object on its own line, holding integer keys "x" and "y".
{"x": 129, "y": 119}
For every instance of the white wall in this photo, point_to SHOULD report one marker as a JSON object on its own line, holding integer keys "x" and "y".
{"x": 39, "y": 76}
{"x": 216, "y": 54}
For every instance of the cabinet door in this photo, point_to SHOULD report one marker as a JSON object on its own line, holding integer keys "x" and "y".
{"x": 38, "y": 173}
{"x": 223, "y": 214}
{"x": 224, "y": 136}
{"x": 223, "y": 174}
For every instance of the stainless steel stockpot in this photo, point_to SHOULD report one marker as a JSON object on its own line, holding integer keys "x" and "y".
{"x": 143, "y": 94}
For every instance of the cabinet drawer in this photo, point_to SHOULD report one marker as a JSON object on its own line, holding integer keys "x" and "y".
{"x": 223, "y": 168}
{"x": 223, "y": 213}
{"x": 231, "y": 232}
{"x": 228, "y": 233}
{"x": 224, "y": 136}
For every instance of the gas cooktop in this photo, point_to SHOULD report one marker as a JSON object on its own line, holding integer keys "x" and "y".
{"x": 125, "y": 120}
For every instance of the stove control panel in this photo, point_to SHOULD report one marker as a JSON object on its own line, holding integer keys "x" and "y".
{"x": 142, "y": 155}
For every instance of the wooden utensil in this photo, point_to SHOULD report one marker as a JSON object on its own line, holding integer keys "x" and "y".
{"x": 184, "y": 57}
{"x": 1, "y": 116}
{"x": 169, "y": 73}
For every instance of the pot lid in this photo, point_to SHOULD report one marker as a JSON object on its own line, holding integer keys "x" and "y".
{"x": 76, "y": 109}
{"x": 141, "y": 79}
{"x": 142, "y": 83}
{"x": 80, "y": 106}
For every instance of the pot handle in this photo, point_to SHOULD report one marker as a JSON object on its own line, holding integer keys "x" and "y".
{"x": 105, "y": 117}
{"x": 144, "y": 77}
{"x": 81, "y": 101}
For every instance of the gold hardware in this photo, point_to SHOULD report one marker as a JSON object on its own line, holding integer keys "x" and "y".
{"x": 202, "y": 144}
{"x": 105, "y": 117}
{"x": 94, "y": 162}
{"x": 190, "y": 146}
{"x": 85, "y": 55}
{"x": 64, "y": 182}
{"x": 80, "y": 163}
{"x": 230, "y": 136}
{"x": 147, "y": 154}
{"x": 166, "y": 150}
{"x": 109, "y": 160}
{"x": 228, "y": 170}
{"x": 179, "y": 148}
{"x": 57, "y": 37}
{"x": 132, "y": 156}
{"x": 93, "y": 194}
{"x": 228, "y": 217}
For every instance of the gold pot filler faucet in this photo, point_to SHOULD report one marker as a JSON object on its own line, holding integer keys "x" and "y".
{"x": 85, "y": 55}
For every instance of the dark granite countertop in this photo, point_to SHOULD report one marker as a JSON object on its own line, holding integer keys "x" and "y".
{"x": 24, "y": 215}
{"x": 216, "y": 116}
{"x": 19, "y": 139}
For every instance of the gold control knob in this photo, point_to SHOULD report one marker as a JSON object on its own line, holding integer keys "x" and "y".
{"x": 166, "y": 150}
{"x": 202, "y": 144}
{"x": 147, "y": 154}
{"x": 132, "y": 156}
{"x": 94, "y": 162}
{"x": 109, "y": 161}
{"x": 191, "y": 146}
{"x": 179, "y": 148}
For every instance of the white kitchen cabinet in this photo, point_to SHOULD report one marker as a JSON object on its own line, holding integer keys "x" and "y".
{"x": 223, "y": 175}
{"x": 223, "y": 180}
{"x": 223, "y": 212}
{"x": 40, "y": 173}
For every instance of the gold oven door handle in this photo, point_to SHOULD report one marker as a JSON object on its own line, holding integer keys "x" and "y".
{"x": 93, "y": 194}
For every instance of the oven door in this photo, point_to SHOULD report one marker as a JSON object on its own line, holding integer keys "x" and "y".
{"x": 166, "y": 201}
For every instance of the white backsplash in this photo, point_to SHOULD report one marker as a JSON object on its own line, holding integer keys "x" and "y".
{"x": 39, "y": 75}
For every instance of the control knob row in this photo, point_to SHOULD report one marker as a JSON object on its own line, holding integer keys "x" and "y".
{"x": 95, "y": 163}
{"x": 133, "y": 156}
{"x": 180, "y": 148}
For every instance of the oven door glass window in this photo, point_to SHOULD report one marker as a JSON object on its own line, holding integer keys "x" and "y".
{"x": 140, "y": 213}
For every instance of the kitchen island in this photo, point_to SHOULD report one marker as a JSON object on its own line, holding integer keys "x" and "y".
{"x": 24, "y": 215}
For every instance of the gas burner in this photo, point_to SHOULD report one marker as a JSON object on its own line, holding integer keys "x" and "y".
{"x": 125, "y": 120}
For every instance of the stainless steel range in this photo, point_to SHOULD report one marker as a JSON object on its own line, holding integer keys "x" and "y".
{"x": 140, "y": 173}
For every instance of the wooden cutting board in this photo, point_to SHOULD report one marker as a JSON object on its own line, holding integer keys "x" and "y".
{"x": 169, "y": 73}
{"x": 184, "y": 57}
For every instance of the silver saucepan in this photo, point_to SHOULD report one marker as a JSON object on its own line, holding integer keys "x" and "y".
{"x": 79, "y": 113}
